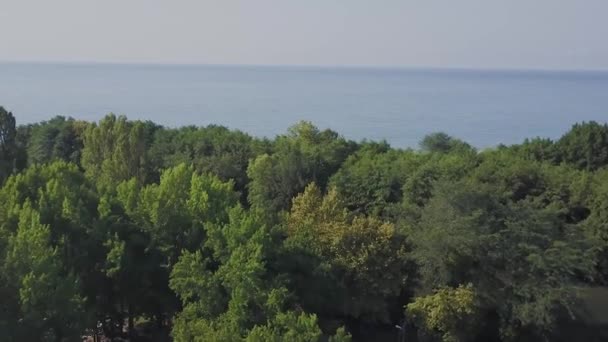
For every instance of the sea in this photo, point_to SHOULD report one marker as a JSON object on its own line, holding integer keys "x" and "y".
{"x": 399, "y": 105}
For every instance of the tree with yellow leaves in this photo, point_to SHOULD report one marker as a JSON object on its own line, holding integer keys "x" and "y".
{"x": 360, "y": 260}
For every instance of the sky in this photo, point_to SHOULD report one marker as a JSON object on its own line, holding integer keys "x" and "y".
{"x": 514, "y": 34}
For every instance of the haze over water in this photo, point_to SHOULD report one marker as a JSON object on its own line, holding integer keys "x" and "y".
{"x": 484, "y": 108}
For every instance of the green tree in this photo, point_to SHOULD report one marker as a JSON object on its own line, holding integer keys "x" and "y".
{"x": 419, "y": 184}
{"x": 115, "y": 151}
{"x": 304, "y": 155}
{"x": 524, "y": 262}
{"x": 293, "y": 327}
{"x": 211, "y": 149}
{"x": 132, "y": 282}
{"x": 585, "y": 145}
{"x": 67, "y": 205}
{"x": 149, "y": 227}
{"x": 175, "y": 211}
{"x": 57, "y": 139}
{"x": 596, "y": 224}
{"x": 562, "y": 188}
{"x": 8, "y": 145}
{"x": 49, "y": 304}
{"x": 370, "y": 182}
{"x": 229, "y": 292}
{"x": 443, "y": 143}
{"x": 537, "y": 149}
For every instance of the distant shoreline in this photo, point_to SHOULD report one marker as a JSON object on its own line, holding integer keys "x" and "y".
{"x": 420, "y": 68}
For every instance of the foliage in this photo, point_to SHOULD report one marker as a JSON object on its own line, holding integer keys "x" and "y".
{"x": 369, "y": 182}
{"x": 522, "y": 261}
{"x": 585, "y": 146}
{"x": 293, "y": 327}
{"x": 115, "y": 151}
{"x": 56, "y": 139}
{"x": 304, "y": 155}
{"x": 210, "y": 234}
{"x": 47, "y": 303}
{"x": 211, "y": 149}
{"x": 8, "y": 144}
{"x": 448, "y": 311}
{"x": 174, "y": 211}
{"x": 230, "y": 295}
{"x": 362, "y": 260}
{"x": 596, "y": 224}
{"x": 440, "y": 142}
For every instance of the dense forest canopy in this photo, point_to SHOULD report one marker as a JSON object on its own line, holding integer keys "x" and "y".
{"x": 127, "y": 229}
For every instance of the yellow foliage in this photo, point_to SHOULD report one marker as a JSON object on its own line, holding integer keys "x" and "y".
{"x": 445, "y": 311}
{"x": 365, "y": 248}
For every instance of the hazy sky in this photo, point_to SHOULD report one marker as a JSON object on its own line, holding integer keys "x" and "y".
{"x": 552, "y": 34}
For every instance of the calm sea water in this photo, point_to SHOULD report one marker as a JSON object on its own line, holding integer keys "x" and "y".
{"x": 484, "y": 108}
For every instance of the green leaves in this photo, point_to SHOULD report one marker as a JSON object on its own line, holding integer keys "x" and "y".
{"x": 305, "y": 155}
{"x": 50, "y": 305}
{"x": 585, "y": 145}
{"x": 226, "y": 294}
{"x": 196, "y": 284}
{"x": 442, "y": 143}
{"x": 370, "y": 182}
{"x": 212, "y": 149}
{"x": 115, "y": 151}
{"x": 57, "y": 139}
{"x": 150, "y": 227}
{"x": 175, "y": 211}
{"x": 523, "y": 261}
{"x": 287, "y": 327}
{"x": 8, "y": 144}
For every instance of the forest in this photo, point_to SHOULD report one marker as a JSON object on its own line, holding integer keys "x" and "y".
{"x": 125, "y": 230}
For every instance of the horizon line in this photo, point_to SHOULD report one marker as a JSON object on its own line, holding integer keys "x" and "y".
{"x": 306, "y": 66}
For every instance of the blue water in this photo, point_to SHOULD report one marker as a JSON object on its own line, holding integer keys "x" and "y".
{"x": 484, "y": 108}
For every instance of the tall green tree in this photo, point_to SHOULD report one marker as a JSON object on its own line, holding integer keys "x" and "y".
{"x": 57, "y": 139}
{"x": 67, "y": 205}
{"x": 8, "y": 144}
{"x": 46, "y": 297}
{"x": 305, "y": 155}
{"x": 115, "y": 150}
{"x": 175, "y": 211}
{"x": 596, "y": 224}
{"x": 585, "y": 145}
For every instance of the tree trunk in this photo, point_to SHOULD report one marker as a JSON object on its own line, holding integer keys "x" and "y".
{"x": 58, "y": 335}
{"x": 130, "y": 322}
{"x": 159, "y": 321}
